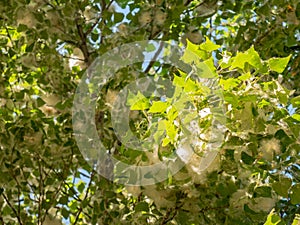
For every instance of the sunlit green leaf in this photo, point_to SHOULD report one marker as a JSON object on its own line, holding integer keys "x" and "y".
{"x": 263, "y": 103}
{"x": 245, "y": 76}
{"x": 296, "y": 117}
{"x": 158, "y": 107}
{"x": 206, "y": 69}
{"x": 193, "y": 53}
{"x": 209, "y": 46}
{"x": 229, "y": 83}
{"x": 295, "y": 101}
{"x": 250, "y": 56}
{"x": 278, "y": 64}
{"x": 272, "y": 219}
{"x": 138, "y": 102}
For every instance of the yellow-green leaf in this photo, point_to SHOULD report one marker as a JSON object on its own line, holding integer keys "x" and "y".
{"x": 296, "y": 117}
{"x": 250, "y": 56}
{"x": 209, "y": 46}
{"x": 193, "y": 53}
{"x": 229, "y": 83}
{"x": 206, "y": 69}
{"x": 245, "y": 76}
{"x": 165, "y": 142}
{"x": 272, "y": 219}
{"x": 158, "y": 107}
{"x": 138, "y": 102}
{"x": 278, "y": 64}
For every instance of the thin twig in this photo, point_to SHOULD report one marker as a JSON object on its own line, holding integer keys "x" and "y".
{"x": 69, "y": 57}
{"x": 161, "y": 45}
{"x": 94, "y": 25}
{"x": 264, "y": 35}
{"x": 8, "y": 35}
{"x": 187, "y": 2}
{"x": 168, "y": 217}
{"x": 85, "y": 197}
{"x": 12, "y": 208}
{"x": 40, "y": 199}
{"x": 109, "y": 4}
{"x": 48, "y": 3}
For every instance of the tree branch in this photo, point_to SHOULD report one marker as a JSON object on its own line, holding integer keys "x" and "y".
{"x": 94, "y": 25}
{"x": 83, "y": 45}
{"x": 12, "y": 208}
{"x": 9, "y": 36}
{"x": 85, "y": 197}
{"x": 258, "y": 40}
{"x": 154, "y": 58}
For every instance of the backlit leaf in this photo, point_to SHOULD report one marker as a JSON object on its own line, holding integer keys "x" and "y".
{"x": 278, "y": 64}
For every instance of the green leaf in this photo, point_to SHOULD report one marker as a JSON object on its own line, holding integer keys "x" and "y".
{"x": 229, "y": 83}
{"x": 141, "y": 207}
{"x": 296, "y": 220}
{"x": 118, "y": 17}
{"x": 193, "y": 53}
{"x": 40, "y": 102}
{"x": 245, "y": 76}
{"x": 295, "y": 194}
{"x": 272, "y": 219}
{"x": 30, "y": 47}
{"x": 282, "y": 186}
{"x": 165, "y": 141}
{"x": 206, "y": 69}
{"x": 171, "y": 130}
{"x": 63, "y": 200}
{"x": 296, "y": 101}
{"x": 250, "y": 56}
{"x": 263, "y": 191}
{"x": 263, "y": 103}
{"x": 12, "y": 78}
{"x": 247, "y": 159}
{"x": 172, "y": 113}
{"x": 179, "y": 81}
{"x": 158, "y": 107}
{"x": 254, "y": 60}
{"x": 231, "y": 98}
{"x": 209, "y": 46}
{"x": 150, "y": 48}
{"x": 278, "y": 64}
{"x": 283, "y": 97}
{"x": 73, "y": 205}
{"x": 182, "y": 100}
{"x": 138, "y": 102}
{"x": 188, "y": 84}
{"x": 296, "y": 117}
{"x": 94, "y": 36}
{"x": 161, "y": 129}
{"x": 81, "y": 187}
{"x": 65, "y": 213}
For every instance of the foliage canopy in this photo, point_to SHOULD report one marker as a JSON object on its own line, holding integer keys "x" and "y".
{"x": 252, "y": 51}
